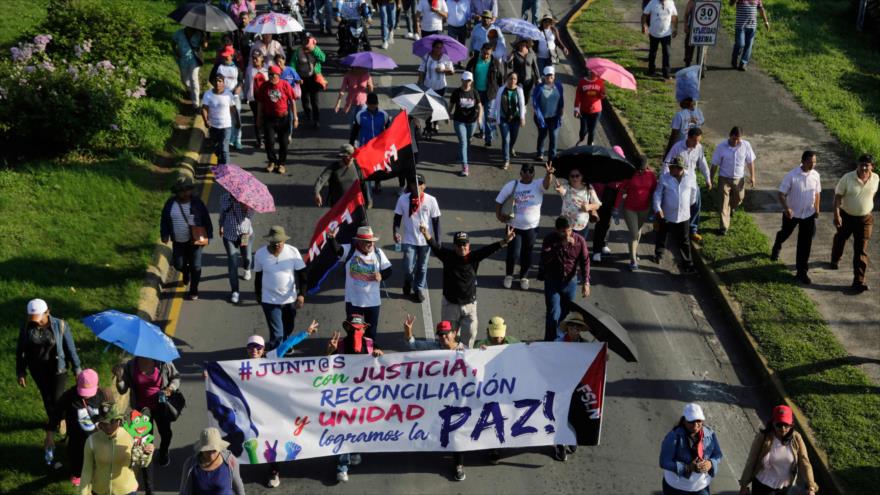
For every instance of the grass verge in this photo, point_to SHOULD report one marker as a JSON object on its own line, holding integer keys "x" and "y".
{"x": 80, "y": 233}
{"x": 814, "y": 50}
{"x": 842, "y": 403}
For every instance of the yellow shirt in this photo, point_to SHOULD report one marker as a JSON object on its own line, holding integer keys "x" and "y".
{"x": 107, "y": 465}
{"x": 858, "y": 198}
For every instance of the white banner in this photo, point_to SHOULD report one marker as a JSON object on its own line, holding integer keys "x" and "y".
{"x": 505, "y": 396}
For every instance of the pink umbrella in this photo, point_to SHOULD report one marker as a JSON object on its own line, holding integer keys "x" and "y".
{"x": 612, "y": 72}
{"x": 244, "y": 187}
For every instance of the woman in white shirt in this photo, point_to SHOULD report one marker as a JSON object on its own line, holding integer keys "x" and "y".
{"x": 432, "y": 73}
{"x": 578, "y": 200}
{"x": 220, "y": 117}
{"x": 548, "y": 42}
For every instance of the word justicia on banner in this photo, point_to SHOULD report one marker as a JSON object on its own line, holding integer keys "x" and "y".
{"x": 520, "y": 395}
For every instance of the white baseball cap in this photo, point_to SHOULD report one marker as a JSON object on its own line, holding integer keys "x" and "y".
{"x": 36, "y": 307}
{"x": 693, "y": 412}
{"x": 256, "y": 339}
{"x": 467, "y": 76}
{"x": 549, "y": 70}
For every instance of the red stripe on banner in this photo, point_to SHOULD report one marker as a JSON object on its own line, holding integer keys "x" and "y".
{"x": 381, "y": 151}
{"x": 341, "y": 213}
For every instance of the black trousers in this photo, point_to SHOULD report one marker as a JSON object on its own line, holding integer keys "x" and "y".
{"x": 162, "y": 424}
{"x": 76, "y": 442}
{"x": 806, "y": 231}
{"x": 681, "y": 234}
{"x": 600, "y": 231}
{"x": 51, "y": 385}
{"x": 276, "y": 127}
{"x": 520, "y": 248}
{"x": 664, "y": 43}
{"x": 310, "y": 89}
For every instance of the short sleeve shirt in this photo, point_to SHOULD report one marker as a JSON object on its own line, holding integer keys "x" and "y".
{"x": 578, "y": 218}
{"x": 430, "y": 20}
{"x": 360, "y": 288}
{"x": 732, "y": 160}
{"x": 219, "y": 108}
{"x": 686, "y": 119}
{"x": 661, "y": 13}
{"x": 433, "y": 79}
{"x": 356, "y": 85}
{"x": 465, "y": 105}
{"x": 800, "y": 189}
{"x": 858, "y": 198}
{"x": 527, "y": 202}
{"x": 279, "y": 283}
{"x": 427, "y": 211}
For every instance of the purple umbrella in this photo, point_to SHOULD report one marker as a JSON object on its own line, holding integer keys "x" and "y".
{"x": 451, "y": 47}
{"x": 369, "y": 60}
{"x": 244, "y": 187}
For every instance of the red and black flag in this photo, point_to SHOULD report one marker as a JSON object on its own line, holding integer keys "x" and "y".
{"x": 347, "y": 215}
{"x": 588, "y": 401}
{"x": 389, "y": 154}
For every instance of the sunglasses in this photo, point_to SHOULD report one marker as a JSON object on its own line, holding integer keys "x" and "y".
{"x": 254, "y": 346}
{"x": 781, "y": 426}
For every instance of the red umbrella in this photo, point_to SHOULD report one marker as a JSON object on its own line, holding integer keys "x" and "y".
{"x": 612, "y": 72}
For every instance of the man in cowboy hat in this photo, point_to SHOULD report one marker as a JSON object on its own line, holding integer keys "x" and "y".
{"x": 447, "y": 339}
{"x": 365, "y": 268}
{"x": 460, "y": 264}
{"x": 280, "y": 283}
{"x": 339, "y": 177}
{"x": 480, "y": 33}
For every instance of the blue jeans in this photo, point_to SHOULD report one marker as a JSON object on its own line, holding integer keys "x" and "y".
{"x": 387, "y": 14}
{"x": 464, "y": 131}
{"x": 488, "y": 129}
{"x": 234, "y": 253}
{"x": 695, "y": 214}
{"x": 220, "y": 139}
{"x": 534, "y": 6}
{"x": 280, "y": 318}
{"x": 327, "y": 17}
{"x": 744, "y": 40}
{"x": 370, "y": 314}
{"x": 588, "y": 127}
{"x": 186, "y": 258}
{"x": 415, "y": 262}
{"x": 520, "y": 248}
{"x": 551, "y": 129}
{"x": 509, "y": 133}
{"x": 557, "y": 295}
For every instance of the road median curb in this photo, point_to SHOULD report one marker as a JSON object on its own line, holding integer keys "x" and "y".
{"x": 626, "y": 140}
{"x": 157, "y": 271}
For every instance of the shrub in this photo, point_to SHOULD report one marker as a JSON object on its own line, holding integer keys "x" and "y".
{"x": 52, "y": 106}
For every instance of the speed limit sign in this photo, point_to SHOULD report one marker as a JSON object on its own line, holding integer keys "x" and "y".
{"x": 704, "y": 26}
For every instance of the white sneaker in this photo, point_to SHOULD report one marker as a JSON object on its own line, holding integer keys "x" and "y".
{"x": 524, "y": 284}
{"x": 384, "y": 45}
{"x": 508, "y": 282}
{"x": 597, "y": 257}
{"x": 409, "y": 36}
{"x": 342, "y": 476}
{"x": 606, "y": 250}
{"x": 355, "y": 459}
{"x": 234, "y": 298}
{"x": 417, "y": 36}
{"x": 274, "y": 481}
{"x": 247, "y": 274}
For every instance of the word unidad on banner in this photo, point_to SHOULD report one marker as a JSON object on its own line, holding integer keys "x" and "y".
{"x": 415, "y": 401}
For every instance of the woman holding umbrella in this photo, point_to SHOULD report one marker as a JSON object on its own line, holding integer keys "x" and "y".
{"x": 236, "y": 230}
{"x": 523, "y": 61}
{"x": 433, "y": 70}
{"x": 182, "y": 216}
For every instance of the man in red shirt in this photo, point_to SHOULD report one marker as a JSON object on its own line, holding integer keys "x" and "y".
{"x": 588, "y": 105}
{"x": 275, "y": 96}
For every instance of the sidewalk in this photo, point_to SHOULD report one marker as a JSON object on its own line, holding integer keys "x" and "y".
{"x": 779, "y": 131}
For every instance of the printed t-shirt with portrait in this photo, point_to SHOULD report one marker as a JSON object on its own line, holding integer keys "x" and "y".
{"x": 279, "y": 282}
{"x": 427, "y": 211}
{"x": 361, "y": 289}
{"x": 275, "y": 98}
{"x": 219, "y": 108}
{"x": 526, "y": 203}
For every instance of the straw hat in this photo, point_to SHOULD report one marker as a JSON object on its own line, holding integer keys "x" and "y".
{"x": 210, "y": 439}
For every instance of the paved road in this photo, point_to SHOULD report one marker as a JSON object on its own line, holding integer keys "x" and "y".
{"x": 687, "y": 352}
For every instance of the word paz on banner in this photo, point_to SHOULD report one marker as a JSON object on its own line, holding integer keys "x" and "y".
{"x": 491, "y": 417}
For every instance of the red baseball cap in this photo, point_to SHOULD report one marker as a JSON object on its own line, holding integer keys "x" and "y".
{"x": 444, "y": 326}
{"x": 783, "y": 414}
{"x": 227, "y": 51}
{"x": 275, "y": 70}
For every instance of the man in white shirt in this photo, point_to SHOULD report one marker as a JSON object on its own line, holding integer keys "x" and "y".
{"x": 366, "y": 266}
{"x": 415, "y": 212}
{"x": 799, "y": 196}
{"x": 731, "y": 158}
{"x": 663, "y": 18}
{"x": 280, "y": 272}
{"x": 690, "y": 151}
{"x": 528, "y": 196}
{"x": 675, "y": 194}
{"x": 431, "y": 14}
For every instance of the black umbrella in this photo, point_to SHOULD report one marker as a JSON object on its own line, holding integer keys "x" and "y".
{"x": 596, "y": 163}
{"x": 606, "y": 329}
{"x": 204, "y": 17}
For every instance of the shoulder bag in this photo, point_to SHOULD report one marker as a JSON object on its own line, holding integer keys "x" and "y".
{"x": 198, "y": 234}
{"x": 508, "y": 207}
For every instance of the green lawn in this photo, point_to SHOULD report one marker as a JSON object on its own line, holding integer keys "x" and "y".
{"x": 814, "y": 50}
{"x": 79, "y": 233}
{"x": 841, "y": 402}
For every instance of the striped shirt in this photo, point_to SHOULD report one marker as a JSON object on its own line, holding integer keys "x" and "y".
{"x": 747, "y": 13}
{"x": 235, "y": 218}
{"x": 179, "y": 223}
{"x": 800, "y": 189}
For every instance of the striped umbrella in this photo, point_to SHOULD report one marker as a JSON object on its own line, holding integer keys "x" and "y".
{"x": 421, "y": 103}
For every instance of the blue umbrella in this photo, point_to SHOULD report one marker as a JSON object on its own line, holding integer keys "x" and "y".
{"x": 519, "y": 27}
{"x": 132, "y": 334}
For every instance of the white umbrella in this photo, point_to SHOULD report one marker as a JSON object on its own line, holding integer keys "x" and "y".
{"x": 273, "y": 23}
{"x": 421, "y": 103}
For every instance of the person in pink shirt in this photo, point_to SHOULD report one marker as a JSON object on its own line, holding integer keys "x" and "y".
{"x": 356, "y": 83}
{"x": 240, "y": 7}
{"x": 635, "y": 193}
{"x": 588, "y": 105}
